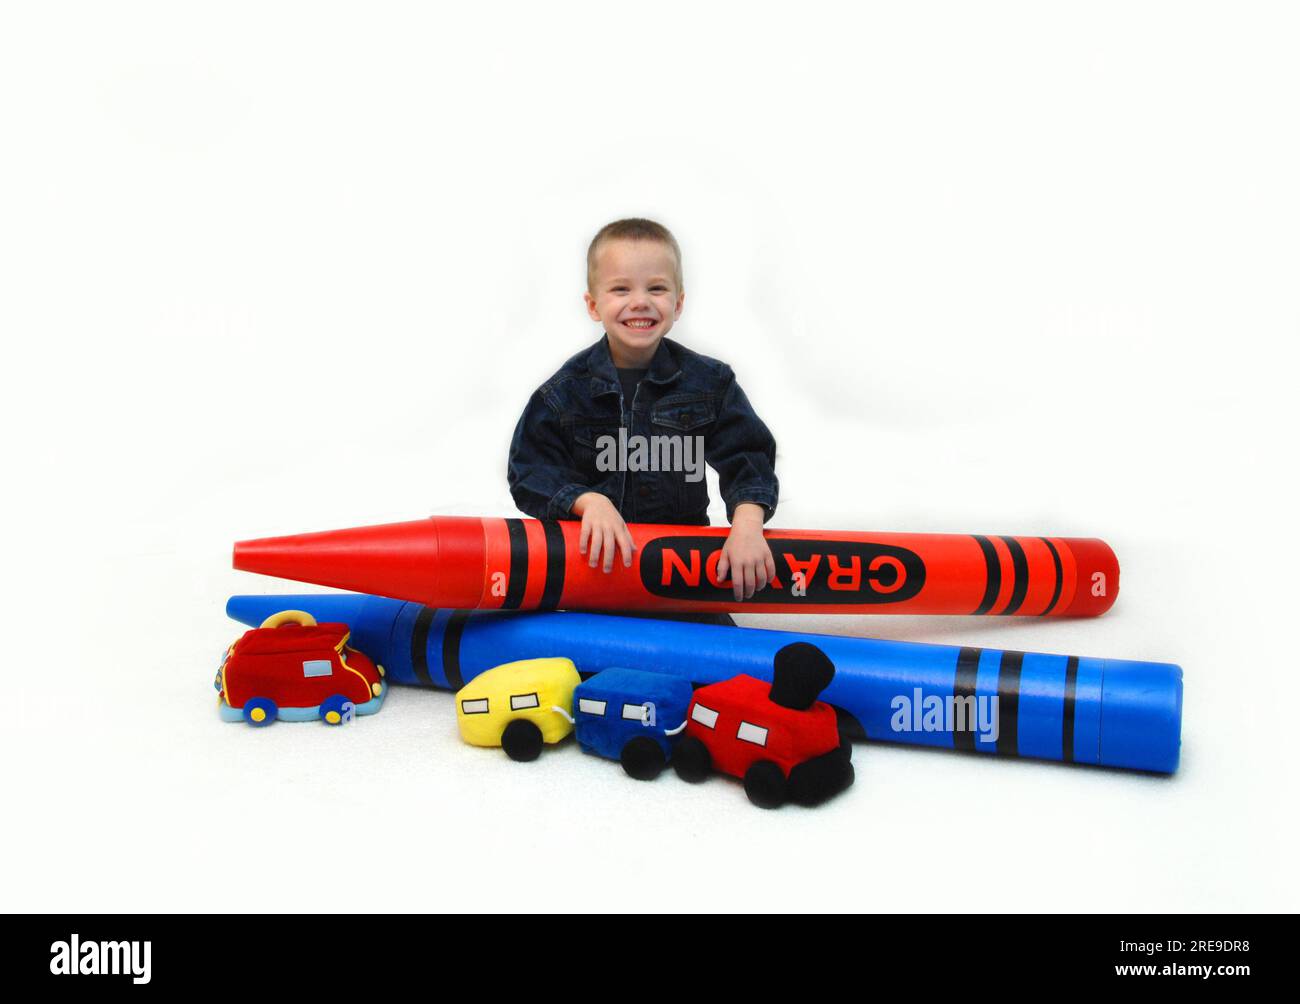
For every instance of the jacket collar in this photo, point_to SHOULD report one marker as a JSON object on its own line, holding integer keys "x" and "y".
{"x": 664, "y": 368}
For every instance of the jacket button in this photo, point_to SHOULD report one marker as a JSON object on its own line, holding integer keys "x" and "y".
{"x": 643, "y": 491}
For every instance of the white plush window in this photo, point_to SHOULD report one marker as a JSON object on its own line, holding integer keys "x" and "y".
{"x": 521, "y": 702}
{"x": 750, "y": 733}
{"x": 634, "y": 712}
{"x": 705, "y": 716}
{"x": 479, "y": 707}
{"x": 589, "y": 707}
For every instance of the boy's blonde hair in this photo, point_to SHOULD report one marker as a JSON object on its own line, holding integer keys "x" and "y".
{"x": 634, "y": 229}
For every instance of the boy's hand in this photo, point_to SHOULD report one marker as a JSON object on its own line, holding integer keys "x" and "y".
{"x": 746, "y": 554}
{"x": 604, "y": 528}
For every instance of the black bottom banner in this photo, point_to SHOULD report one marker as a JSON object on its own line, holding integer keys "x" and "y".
{"x": 268, "y": 951}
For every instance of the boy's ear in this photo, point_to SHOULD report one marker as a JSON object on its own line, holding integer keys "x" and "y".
{"x": 590, "y": 301}
{"x": 677, "y": 311}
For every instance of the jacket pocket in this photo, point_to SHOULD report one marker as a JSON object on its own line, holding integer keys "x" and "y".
{"x": 684, "y": 412}
{"x": 591, "y": 434}
{"x": 590, "y": 442}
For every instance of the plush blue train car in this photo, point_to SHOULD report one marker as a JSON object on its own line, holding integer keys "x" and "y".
{"x": 631, "y": 716}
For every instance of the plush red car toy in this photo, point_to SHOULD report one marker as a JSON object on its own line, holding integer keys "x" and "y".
{"x": 778, "y": 737}
{"x": 292, "y": 668}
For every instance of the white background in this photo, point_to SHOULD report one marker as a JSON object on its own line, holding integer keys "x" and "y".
{"x": 270, "y": 268}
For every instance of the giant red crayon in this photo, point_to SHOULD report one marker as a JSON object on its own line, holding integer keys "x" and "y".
{"x": 524, "y": 564}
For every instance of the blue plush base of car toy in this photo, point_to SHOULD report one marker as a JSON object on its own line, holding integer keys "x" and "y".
{"x": 618, "y": 705}
{"x": 229, "y": 714}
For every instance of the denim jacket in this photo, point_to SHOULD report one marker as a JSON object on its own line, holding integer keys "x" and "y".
{"x": 684, "y": 394}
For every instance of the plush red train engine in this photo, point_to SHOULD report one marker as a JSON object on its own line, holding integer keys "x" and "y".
{"x": 777, "y": 737}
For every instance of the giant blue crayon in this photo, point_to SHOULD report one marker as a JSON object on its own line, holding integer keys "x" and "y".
{"x": 1109, "y": 712}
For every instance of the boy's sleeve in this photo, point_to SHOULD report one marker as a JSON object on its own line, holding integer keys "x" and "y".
{"x": 741, "y": 449}
{"x": 540, "y": 470}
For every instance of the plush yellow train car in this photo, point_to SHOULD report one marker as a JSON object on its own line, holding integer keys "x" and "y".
{"x": 519, "y": 706}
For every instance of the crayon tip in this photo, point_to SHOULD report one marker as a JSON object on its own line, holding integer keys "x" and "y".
{"x": 392, "y": 559}
{"x": 334, "y": 608}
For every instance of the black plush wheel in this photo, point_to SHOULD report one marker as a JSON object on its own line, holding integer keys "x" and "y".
{"x": 765, "y": 785}
{"x": 642, "y": 758}
{"x": 814, "y": 781}
{"x": 691, "y": 759}
{"x": 522, "y": 740}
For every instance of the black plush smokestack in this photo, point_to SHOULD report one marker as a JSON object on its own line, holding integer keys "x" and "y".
{"x": 800, "y": 672}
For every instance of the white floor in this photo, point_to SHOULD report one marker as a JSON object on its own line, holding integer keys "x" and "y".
{"x": 1007, "y": 272}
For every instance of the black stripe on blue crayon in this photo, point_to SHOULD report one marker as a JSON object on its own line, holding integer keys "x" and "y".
{"x": 993, "y": 574}
{"x": 451, "y": 648}
{"x": 1067, "y": 712}
{"x": 963, "y": 692}
{"x": 555, "y": 560}
{"x": 420, "y": 645}
{"x": 1009, "y": 702}
{"x": 1056, "y": 563}
{"x": 518, "y": 580}
{"x": 1019, "y": 575}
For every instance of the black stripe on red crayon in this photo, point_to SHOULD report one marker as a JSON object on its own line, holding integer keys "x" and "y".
{"x": 992, "y": 574}
{"x": 555, "y": 562}
{"x": 1019, "y": 575}
{"x": 1060, "y": 576}
{"x": 518, "y": 580}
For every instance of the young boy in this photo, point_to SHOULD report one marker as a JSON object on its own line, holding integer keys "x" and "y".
{"x": 635, "y": 385}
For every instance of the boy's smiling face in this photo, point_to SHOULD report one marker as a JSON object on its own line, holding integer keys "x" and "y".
{"x": 634, "y": 295}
